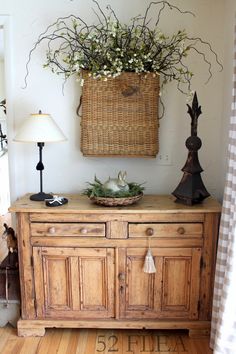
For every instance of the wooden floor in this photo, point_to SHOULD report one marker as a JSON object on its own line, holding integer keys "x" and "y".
{"x": 83, "y": 341}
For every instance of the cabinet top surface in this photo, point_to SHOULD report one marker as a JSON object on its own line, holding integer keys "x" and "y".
{"x": 148, "y": 204}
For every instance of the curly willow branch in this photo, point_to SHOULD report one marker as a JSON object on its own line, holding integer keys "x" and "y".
{"x": 42, "y": 37}
{"x": 164, "y": 4}
{"x": 211, "y": 49}
{"x": 104, "y": 16}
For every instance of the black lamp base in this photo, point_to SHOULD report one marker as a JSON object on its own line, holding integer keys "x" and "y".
{"x": 39, "y": 197}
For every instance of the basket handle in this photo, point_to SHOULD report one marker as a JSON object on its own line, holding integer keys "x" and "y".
{"x": 79, "y": 106}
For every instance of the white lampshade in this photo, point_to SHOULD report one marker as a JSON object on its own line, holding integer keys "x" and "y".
{"x": 39, "y": 127}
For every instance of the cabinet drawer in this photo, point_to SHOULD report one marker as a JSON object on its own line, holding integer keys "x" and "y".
{"x": 68, "y": 229}
{"x": 166, "y": 230}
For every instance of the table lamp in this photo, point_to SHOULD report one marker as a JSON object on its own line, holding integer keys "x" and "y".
{"x": 40, "y": 128}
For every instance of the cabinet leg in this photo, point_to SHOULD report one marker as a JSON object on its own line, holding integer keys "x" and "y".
{"x": 198, "y": 333}
{"x": 26, "y": 330}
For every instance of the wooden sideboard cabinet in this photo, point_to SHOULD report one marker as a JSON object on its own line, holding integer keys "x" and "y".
{"x": 81, "y": 265}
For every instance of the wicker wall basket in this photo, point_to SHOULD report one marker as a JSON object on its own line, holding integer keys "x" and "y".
{"x": 120, "y": 116}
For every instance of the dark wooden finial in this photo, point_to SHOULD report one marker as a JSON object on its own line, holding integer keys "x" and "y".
{"x": 191, "y": 189}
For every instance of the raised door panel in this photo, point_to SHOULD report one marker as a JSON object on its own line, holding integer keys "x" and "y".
{"x": 139, "y": 292}
{"x": 74, "y": 283}
{"x": 93, "y": 283}
{"x": 181, "y": 280}
{"x": 171, "y": 292}
{"x": 57, "y": 278}
{"x": 176, "y": 271}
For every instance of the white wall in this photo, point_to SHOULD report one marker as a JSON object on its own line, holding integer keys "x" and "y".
{"x": 2, "y": 95}
{"x": 66, "y": 170}
{"x": 2, "y": 89}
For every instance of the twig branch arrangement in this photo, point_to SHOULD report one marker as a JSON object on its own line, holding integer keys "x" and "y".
{"x": 110, "y": 47}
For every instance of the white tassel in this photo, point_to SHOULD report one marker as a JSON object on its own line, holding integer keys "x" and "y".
{"x": 149, "y": 265}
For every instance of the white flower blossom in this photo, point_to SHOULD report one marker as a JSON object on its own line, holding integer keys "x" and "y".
{"x": 82, "y": 82}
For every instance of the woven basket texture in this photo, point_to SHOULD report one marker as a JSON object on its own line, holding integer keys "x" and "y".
{"x": 120, "y": 116}
{"x": 116, "y": 201}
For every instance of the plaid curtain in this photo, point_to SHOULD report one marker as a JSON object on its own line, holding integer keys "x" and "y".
{"x": 223, "y": 327}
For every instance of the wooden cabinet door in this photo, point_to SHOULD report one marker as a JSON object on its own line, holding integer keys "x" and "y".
{"x": 171, "y": 292}
{"x": 74, "y": 282}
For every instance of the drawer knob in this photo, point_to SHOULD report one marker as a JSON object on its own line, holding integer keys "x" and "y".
{"x": 149, "y": 231}
{"x": 52, "y": 230}
{"x": 84, "y": 230}
{"x": 181, "y": 230}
